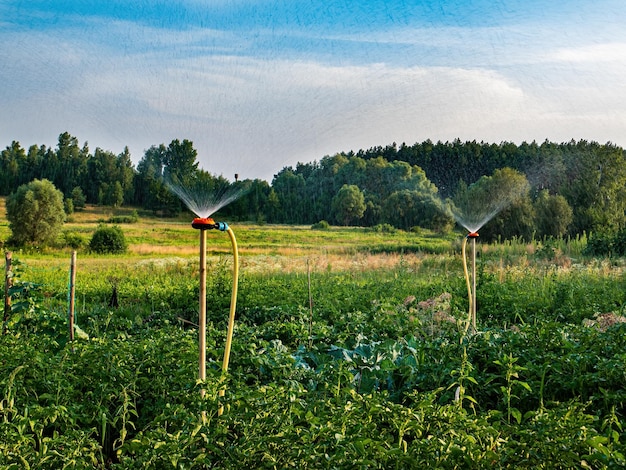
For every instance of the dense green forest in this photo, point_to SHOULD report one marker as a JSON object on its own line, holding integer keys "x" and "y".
{"x": 570, "y": 188}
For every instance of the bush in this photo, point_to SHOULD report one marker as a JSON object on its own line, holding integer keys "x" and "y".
{"x": 78, "y": 198}
{"x": 321, "y": 225}
{"x": 384, "y": 228}
{"x": 132, "y": 218}
{"x": 35, "y": 213}
{"x": 68, "y": 205}
{"x": 108, "y": 240}
{"x": 74, "y": 240}
{"x": 606, "y": 244}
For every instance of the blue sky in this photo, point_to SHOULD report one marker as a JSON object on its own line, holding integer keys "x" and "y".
{"x": 258, "y": 85}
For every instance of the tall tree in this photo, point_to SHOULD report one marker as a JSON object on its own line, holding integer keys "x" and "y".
{"x": 553, "y": 215}
{"x": 11, "y": 160}
{"x": 149, "y": 185}
{"x": 69, "y": 167}
{"x": 348, "y": 205}
{"x": 179, "y": 162}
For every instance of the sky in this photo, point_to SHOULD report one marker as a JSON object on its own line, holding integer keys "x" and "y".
{"x": 259, "y": 85}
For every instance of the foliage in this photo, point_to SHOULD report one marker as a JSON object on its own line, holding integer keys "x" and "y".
{"x": 321, "y": 225}
{"x": 348, "y": 205}
{"x": 68, "y": 206}
{"x": 588, "y": 177}
{"x": 406, "y": 209}
{"x": 131, "y": 218}
{"x": 497, "y": 205}
{"x": 379, "y": 375}
{"x": 74, "y": 240}
{"x": 606, "y": 244}
{"x": 78, "y": 198}
{"x": 35, "y": 213}
{"x": 108, "y": 239}
{"x": 553, "y": 215}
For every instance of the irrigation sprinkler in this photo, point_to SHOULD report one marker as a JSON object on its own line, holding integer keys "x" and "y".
{"x": 203, "y": 224}
{"x": 471, "y": 287}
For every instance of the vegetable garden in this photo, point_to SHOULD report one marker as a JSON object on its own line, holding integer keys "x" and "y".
{"x": 346, "y": 354}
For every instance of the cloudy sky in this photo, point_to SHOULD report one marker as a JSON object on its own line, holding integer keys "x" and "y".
{"x": 258, "y": 85}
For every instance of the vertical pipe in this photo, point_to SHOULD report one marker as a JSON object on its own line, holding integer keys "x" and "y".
{"x": 308, "y": 274}
{"x": 474, "y": 284}
{"x": 8, "y": 260}
{"x": 71, "y": 293}
{"x": 231, "y": 315}
{"x": 233, "y": 303}
{"x": 202, "y": 313}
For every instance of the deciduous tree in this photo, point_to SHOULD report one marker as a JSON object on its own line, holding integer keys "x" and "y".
{"x": 35, "y": 213}
{"x": 349, "y": 204}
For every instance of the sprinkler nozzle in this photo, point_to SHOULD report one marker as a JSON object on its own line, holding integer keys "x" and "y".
{"x": 207, "y": 223}
{"x": 203, "y": 223}
{"x": 472, "y": 235}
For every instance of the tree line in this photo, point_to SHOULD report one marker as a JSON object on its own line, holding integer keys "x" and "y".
{"x": 564, "y": 188}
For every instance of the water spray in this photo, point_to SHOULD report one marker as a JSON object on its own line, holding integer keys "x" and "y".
{"x": 203, "y": 224}
{"x": 471, "y": 286}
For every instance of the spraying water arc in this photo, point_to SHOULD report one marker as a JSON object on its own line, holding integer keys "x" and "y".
{"x": 203, "y": 224}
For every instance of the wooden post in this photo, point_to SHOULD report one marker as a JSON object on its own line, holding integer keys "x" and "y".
{"x": 71, "y": 294}
{"x": 202, "y": 313}
{"x": 308, "y": 274}
{"x": 474, "y": 284}
{"x": 8, "y": 282}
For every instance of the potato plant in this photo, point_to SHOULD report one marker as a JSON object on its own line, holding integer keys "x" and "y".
{"x": 378, "y": 372}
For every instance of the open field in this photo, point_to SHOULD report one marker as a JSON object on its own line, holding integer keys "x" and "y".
{"x": 351, "y": 350}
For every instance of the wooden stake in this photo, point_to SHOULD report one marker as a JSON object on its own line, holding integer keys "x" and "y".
{"x": 308, "y": 272}
{"x": 72, "y": 292}
{"x": 202, "y": 313}
{"x": 8, "y": 282}
{"x": 474, "y": 284}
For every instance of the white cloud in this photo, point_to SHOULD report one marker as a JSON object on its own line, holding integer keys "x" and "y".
{"x": 254, "y": 116}
{"x": 609, "y": 52}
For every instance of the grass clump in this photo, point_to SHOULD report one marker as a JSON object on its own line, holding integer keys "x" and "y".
{"x": 321, "y": 225}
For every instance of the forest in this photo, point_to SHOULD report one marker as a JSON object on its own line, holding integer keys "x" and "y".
{"x": 570, "y": 188}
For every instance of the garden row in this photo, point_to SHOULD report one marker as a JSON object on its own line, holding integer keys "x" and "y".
{"x": 377, "y": 373}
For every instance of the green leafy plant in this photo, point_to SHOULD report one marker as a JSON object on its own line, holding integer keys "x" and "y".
{"x": 510, "y": 371}
{"x": 108, "y": 239}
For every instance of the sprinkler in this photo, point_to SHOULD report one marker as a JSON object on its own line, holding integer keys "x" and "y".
{"x": 207, "y": 223}
{"x": 471, "y": 287}
{"x": 203, "y": 224}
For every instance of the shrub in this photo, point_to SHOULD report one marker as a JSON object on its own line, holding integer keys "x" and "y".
{"x": 606, "y": 244}
{"x": 321, "y": 225}
{"x": 131, "y": 218}
{"x": 35, "y": 213}
{"x": 68, "y": 205}
{"x": 384, "y": 228}
{"x": 74, "y": 240}
{"x": 108, "y": 240}
{"x": 78, "y": 198}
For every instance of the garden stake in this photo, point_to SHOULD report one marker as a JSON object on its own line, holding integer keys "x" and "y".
{"x": 8, "y": 260}
{"x": 204, "y": 224}
{"x": 71, "y": 292}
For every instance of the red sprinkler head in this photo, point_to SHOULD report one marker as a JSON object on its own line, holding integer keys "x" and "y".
{"x": 203, "y": 223}
{"x": 472, "y": 235}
